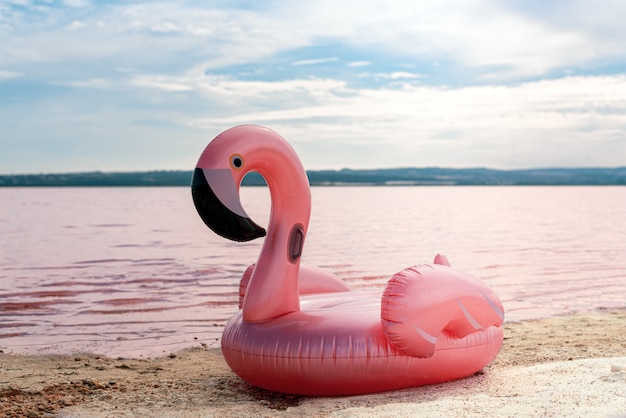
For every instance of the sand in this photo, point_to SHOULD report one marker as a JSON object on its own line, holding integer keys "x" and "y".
{"x": 565, "y": 366}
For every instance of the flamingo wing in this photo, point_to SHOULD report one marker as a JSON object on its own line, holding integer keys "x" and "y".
{"x": 422, "y": 302}
{"x": 311, "y": 280}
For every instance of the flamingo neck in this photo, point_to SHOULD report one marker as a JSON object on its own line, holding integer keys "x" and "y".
{"x": 273, "y": 287}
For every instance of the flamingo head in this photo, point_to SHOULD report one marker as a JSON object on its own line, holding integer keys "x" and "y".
{"x": 217, "y": 177}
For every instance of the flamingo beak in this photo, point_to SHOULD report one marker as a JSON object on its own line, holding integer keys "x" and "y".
{"x": 216, "y": 198}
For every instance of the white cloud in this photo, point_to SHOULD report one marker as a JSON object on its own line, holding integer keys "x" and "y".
{"x": 359, "y": 64}
{"x": 478, "y": 33}
{"x": 315, "y": 61}
{"x": 165, "y": 27}
{"x": 508, "y": 43}
{"x": 396, "y": 75}
{"x": 76, "y": 3}
{"x": 565, "y": 105}
{"x": 21, "y": 55}
{"x": 5, "y": 75}
{"x": 96, "y": 83}
{"x": 569, "y": 121}
{"x": 75, "y": 25}
{"x": 160, "y": 82}
{"x": 526, "y": 125}
{"x": 178, "y": 63}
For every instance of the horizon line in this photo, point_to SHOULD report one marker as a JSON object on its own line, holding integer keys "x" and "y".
{"x": 326, "y": 169}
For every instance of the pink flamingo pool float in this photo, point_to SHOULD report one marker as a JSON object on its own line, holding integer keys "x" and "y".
{"x": 300, "y": 329}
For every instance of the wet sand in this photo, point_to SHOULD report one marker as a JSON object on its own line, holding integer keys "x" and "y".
{"x": 571, "y": 365}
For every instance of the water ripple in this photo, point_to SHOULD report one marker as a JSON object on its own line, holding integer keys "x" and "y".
{"x": 141, "y": 282}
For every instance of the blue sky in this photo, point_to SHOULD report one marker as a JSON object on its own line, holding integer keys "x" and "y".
{"x": 121, "y": 86}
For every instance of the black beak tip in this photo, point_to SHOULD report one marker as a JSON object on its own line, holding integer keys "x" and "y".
{"x": 217, "y": 216}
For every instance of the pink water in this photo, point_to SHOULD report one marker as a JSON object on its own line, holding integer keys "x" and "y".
{"x": 134, "y": 272}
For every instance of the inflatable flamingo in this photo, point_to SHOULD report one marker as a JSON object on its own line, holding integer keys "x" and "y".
{"x": 300, "y": 329}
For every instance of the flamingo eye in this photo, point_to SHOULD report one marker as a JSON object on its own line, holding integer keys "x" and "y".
{"x": 236, "y": 161}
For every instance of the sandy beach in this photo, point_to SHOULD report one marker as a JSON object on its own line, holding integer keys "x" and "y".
{"x": 571, "y": 366}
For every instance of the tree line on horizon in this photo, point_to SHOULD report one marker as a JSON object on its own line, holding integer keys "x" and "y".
{"x": 374, "y": 177}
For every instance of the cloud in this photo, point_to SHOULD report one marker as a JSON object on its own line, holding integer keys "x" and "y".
{"x": 567, "y": 121}
{"x": 165, "y": 27}
{"x": 359, "y": 64}
{"x": 395, "y": 75}
{"x": 473, "y": 82}
{"x": 500, "y": 41}
{"x": 457, "y": 126}
{"x": 161, "y": 82}
{"x": 5, "y": 75}
{"x": 96, "y": 83}
{"x": 76, "y": 3}
{"x": 542, "y": 105}
{"x": 75, "y": 25}
{"x": 315, "y": 61}
{"x": 497, "y": 37}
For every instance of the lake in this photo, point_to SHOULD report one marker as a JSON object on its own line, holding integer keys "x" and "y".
{"x": 134, "y": 272}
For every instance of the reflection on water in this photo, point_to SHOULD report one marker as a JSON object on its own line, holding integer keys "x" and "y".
{"x": 133, "y": 271}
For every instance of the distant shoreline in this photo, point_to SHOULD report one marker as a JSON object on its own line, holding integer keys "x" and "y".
{"x": 431, "y": 176}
